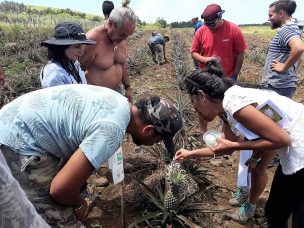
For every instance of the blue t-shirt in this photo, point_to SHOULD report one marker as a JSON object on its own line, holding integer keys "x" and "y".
{"x": 197, "y": 25}
{"x": 53, "y": 74}
{"x": 61, "y": 119}
{"x": 157, "y": 39}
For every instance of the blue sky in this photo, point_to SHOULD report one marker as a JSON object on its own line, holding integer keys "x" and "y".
{"x": 237, "y": 11}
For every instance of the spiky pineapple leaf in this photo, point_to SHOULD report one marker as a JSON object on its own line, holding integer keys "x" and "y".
{"x": 192, "y": 195}
{"x": 160, "y": 193}
{"x": 196, "y": 208}
{"x": 165, "y": 216}
{"x": 188, "y": 222}
{"x": 144, "y": 218}
{"x": 155, "y": 199}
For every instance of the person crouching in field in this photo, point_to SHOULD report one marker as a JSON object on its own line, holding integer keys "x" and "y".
{"x": 157, "y": 46}
{"x": 83, "y": 125}
{"x": 214, "y": 95}
{"x": 64, "y": 50}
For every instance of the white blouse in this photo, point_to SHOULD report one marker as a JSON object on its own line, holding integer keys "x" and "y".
{"x": 291, "y": 158}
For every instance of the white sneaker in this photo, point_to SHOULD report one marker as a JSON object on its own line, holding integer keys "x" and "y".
{"x": 245, "y": 212}
{"x": 240, "y": 196}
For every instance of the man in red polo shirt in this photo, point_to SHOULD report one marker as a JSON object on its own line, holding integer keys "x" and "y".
{"x": 219, "y": 39}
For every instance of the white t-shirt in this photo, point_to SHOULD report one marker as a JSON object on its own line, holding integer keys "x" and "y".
{"x": 291, "y": 158}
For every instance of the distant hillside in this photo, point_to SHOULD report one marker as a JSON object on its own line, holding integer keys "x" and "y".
{"x": 12, "y": 13}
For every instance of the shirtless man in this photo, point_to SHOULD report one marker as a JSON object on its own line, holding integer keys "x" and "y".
{"x": 105, "y": 64}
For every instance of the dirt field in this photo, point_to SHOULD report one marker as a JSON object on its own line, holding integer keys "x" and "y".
{"x": 160, "y": 80}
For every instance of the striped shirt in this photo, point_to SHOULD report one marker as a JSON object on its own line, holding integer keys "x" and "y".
{"x": 279, "y": 50}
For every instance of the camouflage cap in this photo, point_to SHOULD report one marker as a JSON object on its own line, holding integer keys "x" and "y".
{"x": 167, "y": 121}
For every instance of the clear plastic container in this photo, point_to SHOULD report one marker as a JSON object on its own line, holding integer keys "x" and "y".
{"x": 210, "y": 138}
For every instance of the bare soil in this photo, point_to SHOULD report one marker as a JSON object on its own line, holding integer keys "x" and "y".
{"x": 159, "y": 80}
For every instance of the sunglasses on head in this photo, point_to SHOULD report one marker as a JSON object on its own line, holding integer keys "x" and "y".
{"x": 195, "y": 87}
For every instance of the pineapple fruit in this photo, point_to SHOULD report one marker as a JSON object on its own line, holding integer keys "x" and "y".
{"x": 174, "y": 176}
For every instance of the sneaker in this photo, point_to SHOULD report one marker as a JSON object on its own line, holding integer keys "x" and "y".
{"x": 239, "y": 197}
{"x": 244, "y": 213}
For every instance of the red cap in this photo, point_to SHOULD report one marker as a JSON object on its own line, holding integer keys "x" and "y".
{"x": 212, "y": 12}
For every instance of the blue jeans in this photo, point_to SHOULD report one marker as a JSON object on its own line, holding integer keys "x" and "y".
{"x": 287, "y": 92}
{"x": 234, "y": 77}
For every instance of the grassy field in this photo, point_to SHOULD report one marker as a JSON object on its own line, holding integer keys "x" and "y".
{"x": 260, "y": 30}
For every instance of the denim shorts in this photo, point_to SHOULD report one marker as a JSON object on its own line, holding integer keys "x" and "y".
{"x": 287, "y": 92}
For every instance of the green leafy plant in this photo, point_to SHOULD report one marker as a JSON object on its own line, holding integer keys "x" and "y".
{"x": 198, "y": 172}
{"x": 180, "y": 217}
{"x": 173, "y": 206}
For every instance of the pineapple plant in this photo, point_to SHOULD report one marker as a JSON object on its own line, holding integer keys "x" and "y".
{"x": 174, "y": 178}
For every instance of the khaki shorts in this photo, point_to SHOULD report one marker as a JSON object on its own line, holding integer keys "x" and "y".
{"x": 35, "y": 175}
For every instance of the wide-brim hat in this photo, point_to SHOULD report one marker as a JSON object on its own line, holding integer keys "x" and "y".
{"x": 68, "y": 33}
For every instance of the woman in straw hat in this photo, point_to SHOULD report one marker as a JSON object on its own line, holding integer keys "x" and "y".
{"x": 64, "y": 50}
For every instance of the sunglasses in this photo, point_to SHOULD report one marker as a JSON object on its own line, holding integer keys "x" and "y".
{"x": 210, "y": 23}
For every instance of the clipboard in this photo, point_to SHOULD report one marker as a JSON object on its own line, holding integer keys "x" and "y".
{"x": 270, "y": 109}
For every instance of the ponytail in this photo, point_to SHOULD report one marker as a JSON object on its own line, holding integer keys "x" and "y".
{"x": 210, "y": 80}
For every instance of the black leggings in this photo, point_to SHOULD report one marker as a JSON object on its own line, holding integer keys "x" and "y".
{"x": 286, "y": 197}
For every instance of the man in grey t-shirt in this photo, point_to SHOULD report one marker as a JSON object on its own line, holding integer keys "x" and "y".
{"x": 284, "y": 51}
{"x": 284, "y": 54}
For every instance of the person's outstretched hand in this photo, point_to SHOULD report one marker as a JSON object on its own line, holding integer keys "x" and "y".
{"x": 223, "y": 147}
{"x": 182, "y": 154}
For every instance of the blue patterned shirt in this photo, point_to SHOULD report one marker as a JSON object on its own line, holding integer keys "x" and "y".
{"x": 59, "y": 120}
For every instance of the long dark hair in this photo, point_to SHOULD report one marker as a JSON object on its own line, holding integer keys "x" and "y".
{"x": 210, "y": 80}
{"x": 57, "y": 54}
